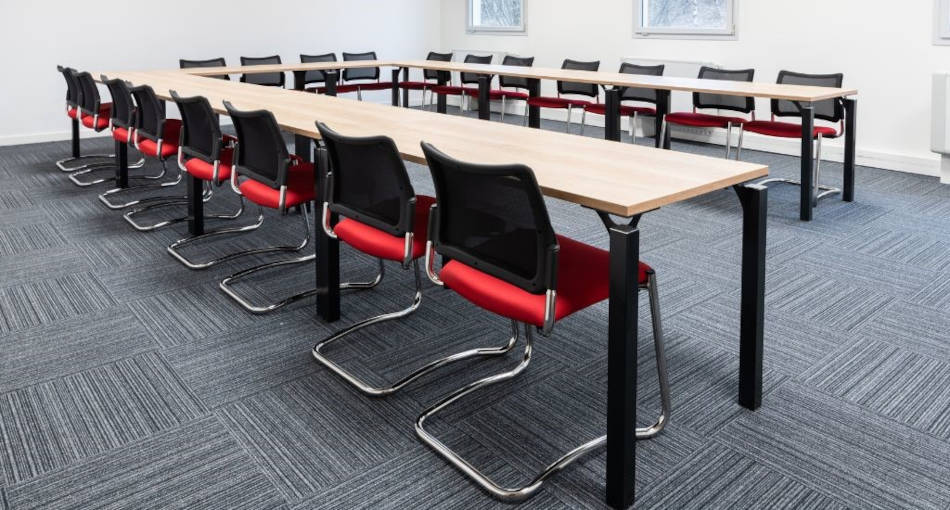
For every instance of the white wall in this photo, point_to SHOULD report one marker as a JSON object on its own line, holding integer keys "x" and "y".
{"x": 123, "y": 35}
{"x": 883, "y": 48}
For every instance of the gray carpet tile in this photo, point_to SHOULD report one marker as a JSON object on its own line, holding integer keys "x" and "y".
{"x": 197, "y": 465}
{"x": 128, "y": 381}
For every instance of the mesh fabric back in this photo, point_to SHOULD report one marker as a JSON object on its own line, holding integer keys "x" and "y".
{"x": 122, "y": 106}
{"x": 585, "y": 89}
{"x": 474, "y": 59}
{"x": 271, "y": 79}
{"x": 150, "y": 117}
{"x": 830, "y": 110}
{"x": 431, "y": 74}
{"x": 510, "y": 81}
{"x": 89, "y": 93}
{"x": 73, "y": 95}
{"x": 736, "y": 103}
{"x": 201, "y": 134}
{"x": 493, "y": 218}
{"x": 211, "y": 62}
{"x": 365, "y": 73}
{"x": 316, "y": 76}
{"x": 370, "y": 183}
{"x": 636, "y": 93}
{"x": 261, "y": 152}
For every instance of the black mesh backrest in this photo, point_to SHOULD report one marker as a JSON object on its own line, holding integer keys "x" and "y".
{"x": 637, "y": 93}
{"x": 211, "y": 62}
{"x": 150, "y": 115}
{"x": 73, "y": 95}
{"x": 364, "y": 73}
{"x": 88, "y": 93}
{"x": 200, "y": 129}
{"x": 370, "y": 183}
{"x": 510, "y": 81}
{"x": 831, "y": 110}
{"x": 269, "y": 79}
{"x": 431, "y": 74}
{"x": 493, "y": 218}
{"x": 123, "y": 110}
{"x": 316, "y": 76}
{"x": 722, "y": 102}
{"x": 261, "y": 153}
{"x": 474, "y": 59}
{"x": 584, "y": 89}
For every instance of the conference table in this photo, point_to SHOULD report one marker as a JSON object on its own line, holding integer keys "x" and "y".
{"x": 803, "y": 95}
{"x": 619, "y": 182}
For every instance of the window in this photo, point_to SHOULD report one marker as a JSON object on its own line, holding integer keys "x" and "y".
{"x": 496, "y": 15}
{"x": 686, "y": 18}
{"x": 942, "y": 22}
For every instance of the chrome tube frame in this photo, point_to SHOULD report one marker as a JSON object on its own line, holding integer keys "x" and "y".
{"x": 116, "y": 206}
{"x": 97, "y": 167}
{"x": 174, "y": 202}
{"x": 61, "y": 164}
{"x": 821, "y": 191}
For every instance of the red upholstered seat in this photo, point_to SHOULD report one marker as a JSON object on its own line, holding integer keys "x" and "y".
{"x": 452, "y": 90}
{"x": 300, "y": 188}
{"x": 340, "y": 89}
{"x": 497, "y": 94}
{"x": 374, "y": 85}
{"x": 71, "y": 113}
{"x": 105, "y": 111}
{"x": 415, "y": 85}
{"x": 787, "y": 129}
{"x": 557, "y": 102}
{"x": 627, "y": 111}
{"x": 169, "y": 141}
{"x": 384, "y": 245}
{"x": 583, "y": 279}
{"x": 205, "y": 171}
{"x": 120, "y": 134}
{"x": 703, "y": 120}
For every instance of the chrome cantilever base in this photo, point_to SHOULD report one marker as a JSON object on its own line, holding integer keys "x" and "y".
{"x": 61, "y": 164}
{"x": 429, "y": 367}
{"x": 513, "y": 495}
{"x": 826, "y": 191}
{"x": 103, "y": 197}
{"x": 106, "y": 166}
{"x": 169, "y": 202}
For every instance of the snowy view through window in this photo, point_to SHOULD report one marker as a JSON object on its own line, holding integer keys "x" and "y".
{"x": 496, "y": 14}
{"x": 686, "y": 14}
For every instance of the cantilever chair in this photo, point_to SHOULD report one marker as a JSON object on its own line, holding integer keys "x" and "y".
{"x": 636, "y": 94}
{"x": 464, "y": 79}
{"x": 430, "y": 77}
{"x": 264, "y": 172}
{"x": 492, "y": 224}
{"x": 831, "y": 110}
{"x": 570, "y": 88}
{"x": 744, "y": 105}
{"x": 211, "y": 62}
{"x": 383, "y": 218}
{"x": 73, "y": 103}
{"x": 360, "y": 74}
{"x": 275, "y": 79}
{"x": 506, "y": 83}
{"x": 311, "y": 77}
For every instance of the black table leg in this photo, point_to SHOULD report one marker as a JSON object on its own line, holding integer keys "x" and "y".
{"x": 395, "y": 78}
{"x": 441, "y": 102}
{"x": 808, "y": 164}
{"x": 534, "y": 112}
{"x": 122, "y": 166}
{"x": 612, "y": 114}
{"x": 299, "y": 79}
{"x": 662, "y": 108}
{"x": 754, "y": 208}
{"x": 330, "y": 83}
{"x": 75, "y": 127}
{"x": 850, "y": 122}
{"x": 484, "y": 104}
{"x": 196, "y": 206}
{"x": 327, "y": 249}
{"x": 622, "y": 365}
{"x": 405, "y": 92}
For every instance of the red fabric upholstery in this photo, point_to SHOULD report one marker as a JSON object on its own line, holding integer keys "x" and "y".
{"x": 300, "y": 188}
{"x": 557, "y": 102}
{"x": 497, "y": 94}
{"x": 120, "y": 134}
{"x": 383, "y": 245}
{"x": 105, "y": 111}
{"x": 583, "y": 279}
{"x": 787, "y": 129}
{"x": 340, "y": 89}
{"x": 205, "y": 171}
{"x": 451, "y": 90}
{"x": 415, "y": 85}
{"x": 703, "y": 120}
{"x": 71, "y": 113}
{"x": 626, "y": 111}
{"x": 374, "y": 85}
{"x": 169, "y": 141}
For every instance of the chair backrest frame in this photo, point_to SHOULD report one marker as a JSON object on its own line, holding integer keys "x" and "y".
{"x": 361, "y": 73}
{"x": 723, "y": 102}
{"x": 200, "y": 128}
{"x": 123, "y": 106}
{"x": 831, "y": 110}
{"x": 260, "y": 153}
{"x": 582, "y": 89}
{"x": 275, "y": 79}
{"x": 472, "y": 78}
{"x": 150, "y": 113}
{"x": 512, "y": 82}
{"x": 640, "y": 94}
{"x": 211, "y": 62}
{"x": 73, "y": 93}
{"x": 311, "y": 77}
{"x": 431, "y": 74}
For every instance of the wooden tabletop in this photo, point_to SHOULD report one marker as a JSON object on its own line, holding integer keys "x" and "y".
{"x": 732, "y": 88}
{"x": 617, "y": 178}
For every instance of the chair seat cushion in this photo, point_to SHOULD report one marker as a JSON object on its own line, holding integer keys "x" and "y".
{"x": 626, "y": 111}
{"x": 703, "y": 120}
{"x": 415, "y": 85}
{"x": 498, "y": 94}
{"x": 205, "y": 171}
{"x": 384, "y": 245}
{"x": 374, "y": 85}
{"x": 300, "y": 188}
{"x": 105, "y": 112}
{"x": 557, "y": 102}
{"x": 787, "y": 129}
{"x": 452, "y": 90}
{"x": 583, "y": 278}
{"x": 120, "y": 134}
{"x": 169, "y": 141}
{"x": 71, "y": 113}
{"x": 340, "y": 89}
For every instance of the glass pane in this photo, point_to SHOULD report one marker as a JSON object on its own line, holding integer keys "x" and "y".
{"x": 691, "y": 14}
{"x": 496, "y": 13}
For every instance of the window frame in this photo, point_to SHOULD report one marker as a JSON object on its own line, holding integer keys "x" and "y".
{"x": 478, "y": 29}
{"x": 942, "y": 22}
{"x": 730, "y": 32}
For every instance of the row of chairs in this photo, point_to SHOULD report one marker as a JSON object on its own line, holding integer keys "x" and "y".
{"x": 488, "y": 224}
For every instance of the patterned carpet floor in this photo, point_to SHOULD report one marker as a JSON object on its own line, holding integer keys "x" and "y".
{"x": 128, "y": 381}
